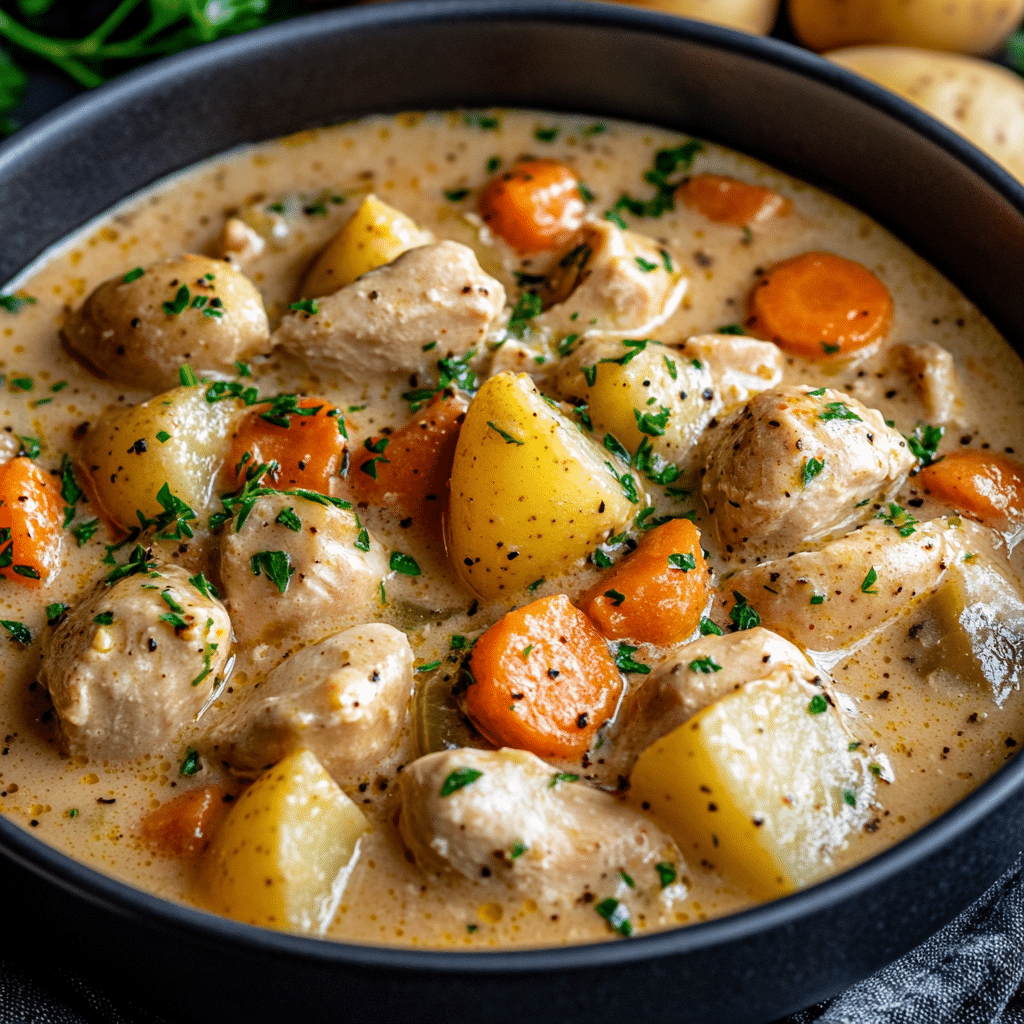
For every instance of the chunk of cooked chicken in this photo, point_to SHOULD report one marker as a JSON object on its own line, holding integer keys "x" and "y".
{"x": 286, "y": 588}
{"x": 834, "y": 598}
{"x": 344, "y": 698}
{"x": 932, "y": 373}
{"x": 740, "y": 367}
{"x": 135, "y": 663}
{"x": 381, "y": 322}
{"x": 699, "y": 673}
{"x": 509, "y": 814}
{"x": 138, "y": 328}
{"x": 240, "y": 243}
{"x": 795, "y": 466}
{"x": 611, "y": 280}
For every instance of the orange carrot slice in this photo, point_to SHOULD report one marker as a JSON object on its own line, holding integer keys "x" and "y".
{"x": 31, "y": 519}
{"x": 818, "y": 304}
{"x": 534, "y": 206}
{"x": 309, "y": 450}
{"x": 410, "y": 473}
{"x": 545, "y": 680}
{"x": 658, "y": 593}
{"x": 726, "y": 200}
{"x": 982, "y": 484}
{"x": 185, "y": 825}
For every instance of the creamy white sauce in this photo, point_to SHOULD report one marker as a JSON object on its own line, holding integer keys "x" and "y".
{"x": 941, "y": 742}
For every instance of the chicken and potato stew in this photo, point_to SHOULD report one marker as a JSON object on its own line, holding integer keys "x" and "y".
{"x": 499, "y": 528}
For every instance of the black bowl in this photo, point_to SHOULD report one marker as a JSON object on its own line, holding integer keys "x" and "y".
{"x": 813, "y": 119}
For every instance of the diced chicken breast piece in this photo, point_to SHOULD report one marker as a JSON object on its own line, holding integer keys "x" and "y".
{"x": 240, "y": 243}
{"x": 514, "y": 357}
{"x": 932, "y": 373}
{"x": 508, "y": 814}
{"x": 138, "y": 328}
{"x": 135, "y": 664}
{"x": 699, "y": 673}
{"x": 611, "y": 280}
{"x": 286, "y": 588}
{"x": 345, "y": 699}
{"x": 433, "y": 295}
{"x": 794, "y": 467}
{"x": 832, "y": 599}
{"x": 740, "y": 367}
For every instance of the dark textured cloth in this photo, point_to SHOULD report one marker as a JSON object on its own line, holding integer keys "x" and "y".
{"x": 32, "y": 993}
{"x": 971, "y": 972}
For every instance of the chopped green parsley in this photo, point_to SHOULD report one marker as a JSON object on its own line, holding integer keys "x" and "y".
{"x": 276, "y": 565}
{"x": 458, "y": 779}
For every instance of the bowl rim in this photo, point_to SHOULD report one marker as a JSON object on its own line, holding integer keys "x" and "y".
{"x": 100, "y": 889}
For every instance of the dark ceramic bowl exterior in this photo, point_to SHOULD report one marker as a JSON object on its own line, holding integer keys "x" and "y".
{"x": 785, "y": 106}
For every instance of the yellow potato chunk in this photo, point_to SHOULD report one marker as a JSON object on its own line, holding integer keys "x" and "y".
{"x": 283, "y": 854}
{"x": 655, "y": 393}
{"x": 374, "y": 235}
{"x": 531, "y": 495}
{"x": 177, "y": 438}
{"x": 761, "y": 783}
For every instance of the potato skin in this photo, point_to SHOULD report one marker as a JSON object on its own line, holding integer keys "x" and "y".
{"x": 959, "y": 26}
{"x": 123, "y": 331}
{"x": 756, "y": 16}
{"x": 981, "y": 100}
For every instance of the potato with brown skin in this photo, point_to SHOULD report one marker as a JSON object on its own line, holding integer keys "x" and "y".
{"x": 978, "y": 99}
{"x": 756, "y": 16}
{"x": 959, "y": 26}
{"x": 140, "y": 327}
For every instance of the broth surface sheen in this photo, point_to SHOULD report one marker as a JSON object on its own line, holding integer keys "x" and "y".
{"x": 935, "y": 738}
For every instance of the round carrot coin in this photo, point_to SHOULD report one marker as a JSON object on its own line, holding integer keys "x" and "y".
{"x": 658, "y": 593}
{"x": 536, "y": 205}
{"x": 818, "y": 304}
{"x": 302, "y": 437}
{"x": 31, "y": 520}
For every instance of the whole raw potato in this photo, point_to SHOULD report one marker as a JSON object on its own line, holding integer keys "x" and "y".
{"x": 961, "y": 26}
{"x": 755, "y": 16}
{"x": 982, "y": 101}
